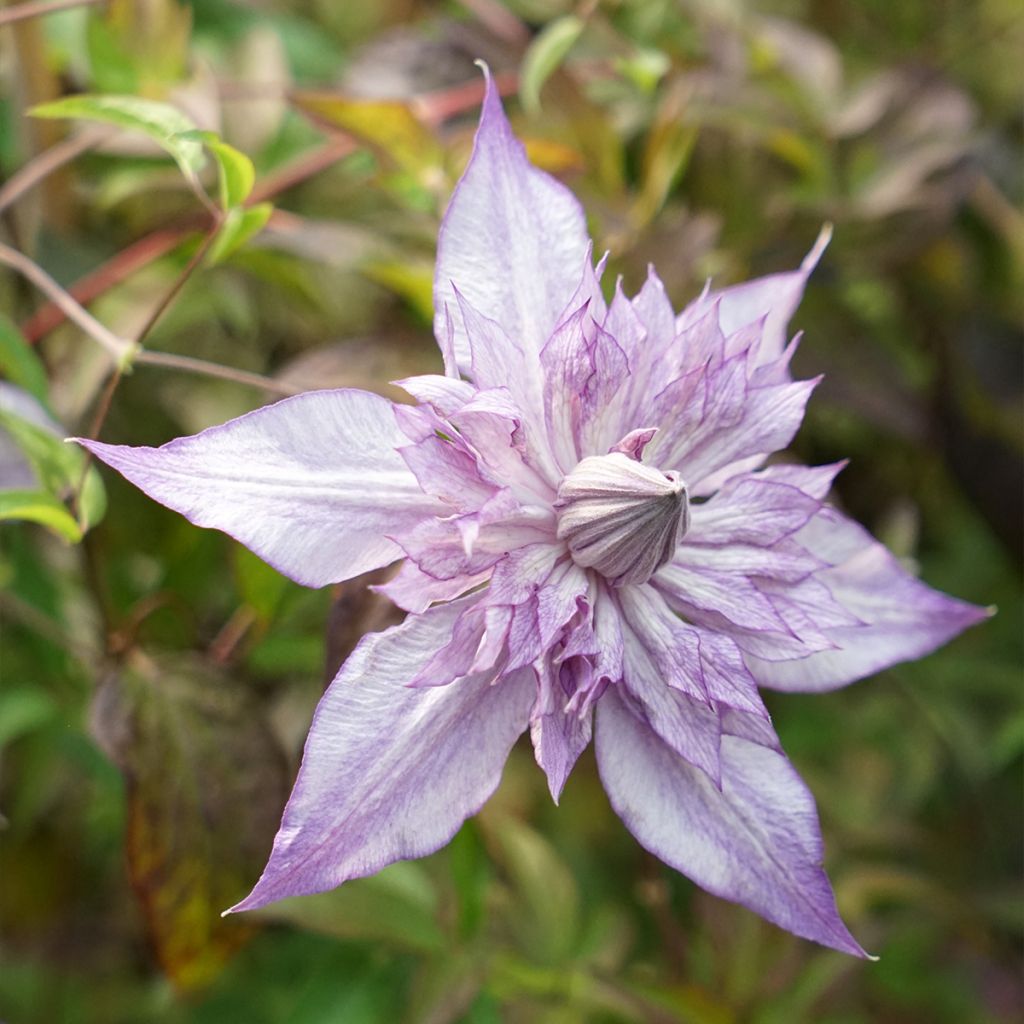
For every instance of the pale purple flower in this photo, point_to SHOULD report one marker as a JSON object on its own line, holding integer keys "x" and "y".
{"x": 592, "y": 546}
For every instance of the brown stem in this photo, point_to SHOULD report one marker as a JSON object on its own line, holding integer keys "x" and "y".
{"x": 434, "y": 108}
{"x": 135, "y": 257}
{"x": 146, "y": 250}
{"x": 200, "y": 366}
{"x": 117, "y": 347}
{"x": 37, "y": 8}
{"x": 301, "y": 169}
{"x": 231, "y": 635}
{"x": 27, "y": 177}
{"x": 172, "y": 294}
{"x": 500, "y": 20}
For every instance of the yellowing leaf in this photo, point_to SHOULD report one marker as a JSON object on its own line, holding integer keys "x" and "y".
{"x": 388, "y": 126}
{"x": 553, "y": 157}
{"x": 205, "y": 784}
{"x": 413, "y": 281}
{"x": 669, "y": 145}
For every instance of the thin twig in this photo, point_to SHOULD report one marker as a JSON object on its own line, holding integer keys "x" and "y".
{"x": 147, "y": 250}
{"x": 302, "y": 168}
{"x": 500, "y": 20}
{"x": 140, "y": 254}
{"x": 108, "y": 393}
{"x": 134, "y": 257}
{"x": 37, "y": 8}
{"x": 231, "y": 634}
{"x": 100, "y": 418}
{"x": 191, "y": 365}
{"x": 27, "y": 177}
{"x": 172, "y": 294}
{"x": 117, "y": 347}
{"x": 16, "y": 609}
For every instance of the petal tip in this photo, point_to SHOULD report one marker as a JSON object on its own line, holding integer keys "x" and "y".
{"x": 811, "y": 260}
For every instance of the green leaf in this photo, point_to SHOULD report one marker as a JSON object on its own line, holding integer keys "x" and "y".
{"x": 666, "y": 156}
{"x": 22, "y": 708}
{"x": 471, "y": 874}
{"x": 235, "y": 172}
{"x": 40, "y": 507}
{"x": 164, "y": 124}
{"x": 544, "y": 55}
{"x": 240, "y": 224}
{"x": 60, "y": 467}
{"x": 112, "y": 65}
{"x": 19, "y": 362}
{"x": 645, "y": 69}
{"x": 548, "y": 917}
{"x": 397, "y": 907}
{"x": 259, "y": 586}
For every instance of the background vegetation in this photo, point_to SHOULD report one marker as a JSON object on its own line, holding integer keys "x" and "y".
{"x": 157, "y": 681}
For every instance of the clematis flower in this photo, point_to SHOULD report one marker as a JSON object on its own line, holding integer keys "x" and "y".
{"x": 592, "y": 548}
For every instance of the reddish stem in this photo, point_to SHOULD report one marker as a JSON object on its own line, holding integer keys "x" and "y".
{"x": 434, "y": 108}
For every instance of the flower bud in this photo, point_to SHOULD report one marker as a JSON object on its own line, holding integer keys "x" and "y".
{"x": 620, "y": 517}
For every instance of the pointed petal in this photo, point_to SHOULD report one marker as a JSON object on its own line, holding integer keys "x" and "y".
{"x": 560, "y": 733}
{"x": 755, "y": 840}
{"x": 690, "y": 729}
{"x": 445, "y": 469}
{"x": 469, "y": 544}
{"x": 414, "y": 591}
{"x": 492, "y": 425}
{"x": 768, "y": 420}
{"x": 502, "y": 362}
{"x": 786, "y": 560}
{"x": 702, "y": 663}
{"x": 391, "y": 772}
{"x": 903, "y": 618}
{"x": 583, "y": 369}
{"x": 813, "y": 480}
{"x": 775, "y": 298}
{"x": 311, "y": 484}
{"x": 655, "y": 313}
{"x": 446, "y": 395}
{"x": 588, "y": 291}
{"x": 751, "y": 510}
{"x": 513, "y": 241}
{"x": 729, "y": 595}
{"x": 623, "y": 323}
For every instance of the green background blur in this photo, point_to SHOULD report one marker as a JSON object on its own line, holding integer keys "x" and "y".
{"x": 156, "y": 680}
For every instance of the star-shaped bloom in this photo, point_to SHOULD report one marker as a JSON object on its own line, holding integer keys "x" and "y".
{"x": 592, "y": 548}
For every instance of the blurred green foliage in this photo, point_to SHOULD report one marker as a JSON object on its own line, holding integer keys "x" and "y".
{"x": 157, "y": 681}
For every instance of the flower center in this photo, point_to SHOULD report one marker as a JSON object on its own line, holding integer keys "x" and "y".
{"x": 620, "y": 517}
